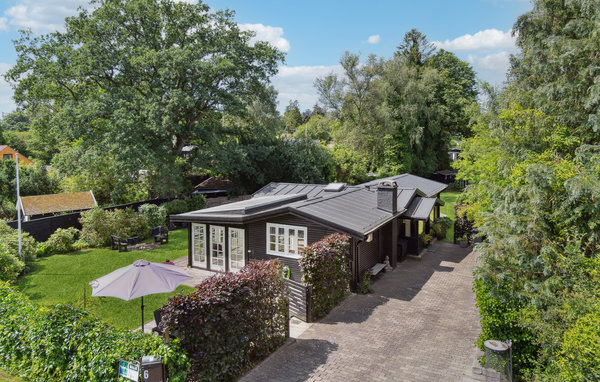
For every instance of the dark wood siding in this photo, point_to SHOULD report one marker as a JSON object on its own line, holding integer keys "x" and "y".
{"x": 368, "y": 254}
{"x": 257, "y": 239}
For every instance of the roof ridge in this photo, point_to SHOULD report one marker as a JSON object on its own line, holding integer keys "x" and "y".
{"x": 308, "y": 202}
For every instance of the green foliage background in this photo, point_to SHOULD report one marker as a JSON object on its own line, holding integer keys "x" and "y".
{"x": 533, "y": 168}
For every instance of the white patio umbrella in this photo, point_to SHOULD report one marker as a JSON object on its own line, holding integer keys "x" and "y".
{"x": 138, "y": 280}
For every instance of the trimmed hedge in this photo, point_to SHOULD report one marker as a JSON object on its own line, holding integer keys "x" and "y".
{"x": 230, "y": 321}
{"x": 62, "y": 343}
{"x": 325, "y": 267}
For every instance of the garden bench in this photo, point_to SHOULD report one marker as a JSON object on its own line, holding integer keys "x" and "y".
{"x": 121, "y": 245}
{"x": 157, "y": 320}
{"x": 375, "y": 269}
{"x": 160, "y": 234}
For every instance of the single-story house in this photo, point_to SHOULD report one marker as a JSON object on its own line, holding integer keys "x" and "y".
{"x": 7, "y": 153}
{"x": 44, "y": 205}
{"x": 383, "y": 217}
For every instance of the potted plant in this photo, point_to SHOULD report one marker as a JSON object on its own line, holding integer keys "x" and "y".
{"x": 427, "y": 239}
{"x": 463, "y": 242}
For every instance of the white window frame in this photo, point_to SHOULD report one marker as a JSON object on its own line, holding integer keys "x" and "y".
{"x": 196, "y": 248}
{"x": 287, "y": 228}
{"x": 214, "y": 266}
{"x": 241, "y": 238}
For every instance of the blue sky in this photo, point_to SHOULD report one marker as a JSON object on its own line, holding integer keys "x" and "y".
{"x": 314, "y": 34}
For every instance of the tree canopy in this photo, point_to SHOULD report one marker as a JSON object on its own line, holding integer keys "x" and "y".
{"x": 131, "y": 83}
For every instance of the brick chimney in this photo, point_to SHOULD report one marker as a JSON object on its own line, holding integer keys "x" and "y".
{"x": 387, "y": 196}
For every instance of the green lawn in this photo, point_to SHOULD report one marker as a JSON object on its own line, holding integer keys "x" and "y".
{"x": 63, "y": 279}
{"x": 449, "y": 197}
{"x": 4, "y": 377}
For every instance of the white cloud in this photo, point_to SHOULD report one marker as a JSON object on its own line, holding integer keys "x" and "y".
{"x": 3, "y": 24}
{"x": 496, "y": 62}
{"x": 296, "y": 83}
{"x": 6, "y": 101}
{"x": 272, "y": 35}
{"x": 374, "y": 39}
{"x": 482, "y": 40}
{"x": 42, "y": 16}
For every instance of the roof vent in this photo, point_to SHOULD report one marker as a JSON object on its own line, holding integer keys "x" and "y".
{"x": 335, "y": 187}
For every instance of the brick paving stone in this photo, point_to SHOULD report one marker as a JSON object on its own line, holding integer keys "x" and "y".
{"x": 418, "y": 325}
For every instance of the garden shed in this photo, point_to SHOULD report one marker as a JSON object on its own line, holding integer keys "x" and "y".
{"x": 44, "y": 205}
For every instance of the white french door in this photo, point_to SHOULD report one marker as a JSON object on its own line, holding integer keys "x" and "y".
{"x": 236, "y": 249}
{"x": 217, "y": 248}
{"x": 199, "y": 245}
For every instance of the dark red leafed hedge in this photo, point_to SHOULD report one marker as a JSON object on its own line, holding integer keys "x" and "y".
{"x": 230, "y": 321}
{"x": 325, "y": 266}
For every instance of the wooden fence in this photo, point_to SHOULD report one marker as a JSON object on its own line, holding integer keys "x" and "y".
{"x": 299, "y": 300}
{"x": 41, "y": 229}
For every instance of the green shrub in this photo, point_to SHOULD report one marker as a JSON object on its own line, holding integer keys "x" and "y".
{"x": 325, "y": 267}
{"x": 427, "y": 239}
{"x": 196, "y": 202}
{"x": 61, "y": 241}
{"x": 61, "y": 343}
{"x": 364, "y": 286}
{"x": 80, "y": 244}
{"x": 97, "y": 225}
{"x": 10, "y": 266}
{"x": 440, "y": 227}
{"x": 155, "y": 215}
{"x": 500, "y": 320}
{"x": 176, "y": 206}
{"x": 230, "y": 321}
{"x": 9, "y": 243}
{"x": 579, "y": 356}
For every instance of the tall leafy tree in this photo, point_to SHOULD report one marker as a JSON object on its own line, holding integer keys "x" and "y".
{"x": 292, "y": 116}
{"x": 533, "y": 162}
{"x": 138, "y": 80}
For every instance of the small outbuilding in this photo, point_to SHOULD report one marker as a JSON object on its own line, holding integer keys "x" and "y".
{"x": 45, "y": 205}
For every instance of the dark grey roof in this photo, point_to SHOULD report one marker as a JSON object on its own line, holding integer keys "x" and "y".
{"x": 420, "y": 208}
{"x": 355, "y": 211}
{"x": 242, "y": 211}
{"x": 427, "y": 186}
{"x": 311, "y": 190}
{"x": 405, "y": 195}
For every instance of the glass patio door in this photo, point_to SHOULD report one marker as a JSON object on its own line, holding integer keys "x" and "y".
{"x": 217, "y": 248}
{"x": 236, "y": 249}
{"x": 199, "y": 245}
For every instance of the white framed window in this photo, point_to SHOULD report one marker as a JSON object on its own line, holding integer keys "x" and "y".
{"x": 217, "y": 248}
{"x": 285, "y": 240}
{"x": 236, "y": 249}
{"x": 199, "y": 245}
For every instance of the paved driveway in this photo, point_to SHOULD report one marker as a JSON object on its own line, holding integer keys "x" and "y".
{"x": 418, "y": 325}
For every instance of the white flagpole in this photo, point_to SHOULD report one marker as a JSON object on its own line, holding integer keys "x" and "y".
{"x": 18, "y": 206}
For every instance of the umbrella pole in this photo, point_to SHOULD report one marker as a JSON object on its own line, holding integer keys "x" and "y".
{"x": 142, "y": 314}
